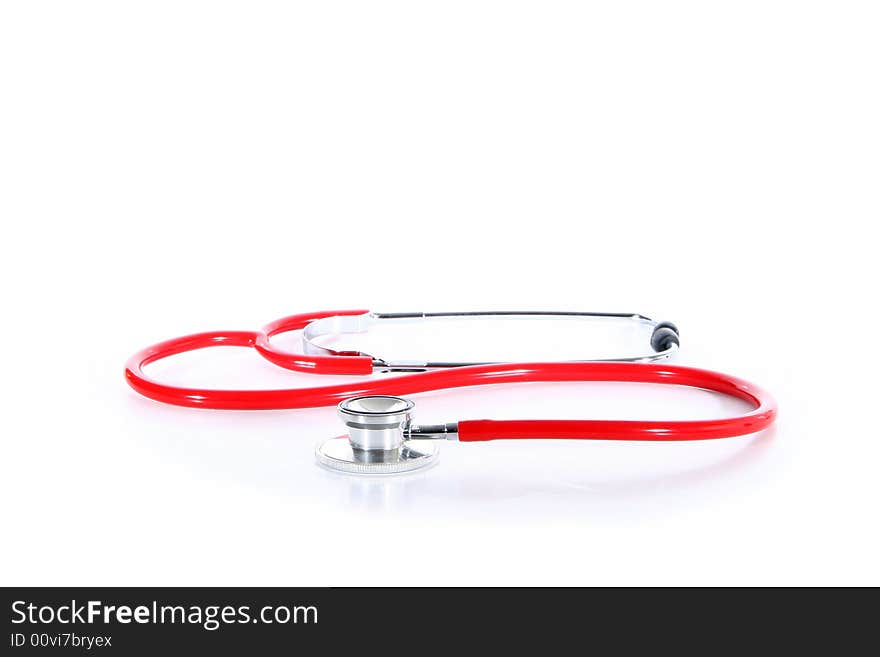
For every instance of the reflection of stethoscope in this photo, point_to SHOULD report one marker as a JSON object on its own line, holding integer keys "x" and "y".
{"x": 382, "y": 438}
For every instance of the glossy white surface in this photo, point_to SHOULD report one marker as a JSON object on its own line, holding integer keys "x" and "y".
{"x": 180, "y": 166}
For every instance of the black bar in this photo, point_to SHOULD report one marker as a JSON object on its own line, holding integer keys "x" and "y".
{"x": 397, "y": 621}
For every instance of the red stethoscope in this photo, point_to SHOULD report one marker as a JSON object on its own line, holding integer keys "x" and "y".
{"x": 381, "y": 435}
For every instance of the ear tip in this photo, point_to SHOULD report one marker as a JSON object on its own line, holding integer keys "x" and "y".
{"x": 664, "y": 336}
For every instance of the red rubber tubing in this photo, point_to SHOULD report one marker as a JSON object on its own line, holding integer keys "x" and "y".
{"x": 760, "y": 417}
{"x": 345, "y": 363}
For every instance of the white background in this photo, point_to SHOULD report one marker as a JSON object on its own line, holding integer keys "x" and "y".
{"x": 171, "y": 167}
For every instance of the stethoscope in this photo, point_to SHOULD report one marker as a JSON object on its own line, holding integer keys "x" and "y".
{"x": 381, "y": 436}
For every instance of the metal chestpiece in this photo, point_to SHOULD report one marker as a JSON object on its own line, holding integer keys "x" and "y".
{"x": 376, "y": 424}
{"x": 381, "y": 438}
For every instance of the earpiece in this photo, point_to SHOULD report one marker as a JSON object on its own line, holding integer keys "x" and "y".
{"x": 664, "y": 336}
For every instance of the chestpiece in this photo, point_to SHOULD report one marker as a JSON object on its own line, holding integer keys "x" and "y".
{"x": 378, "y": 440}
{"x": 377, "y": 422}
